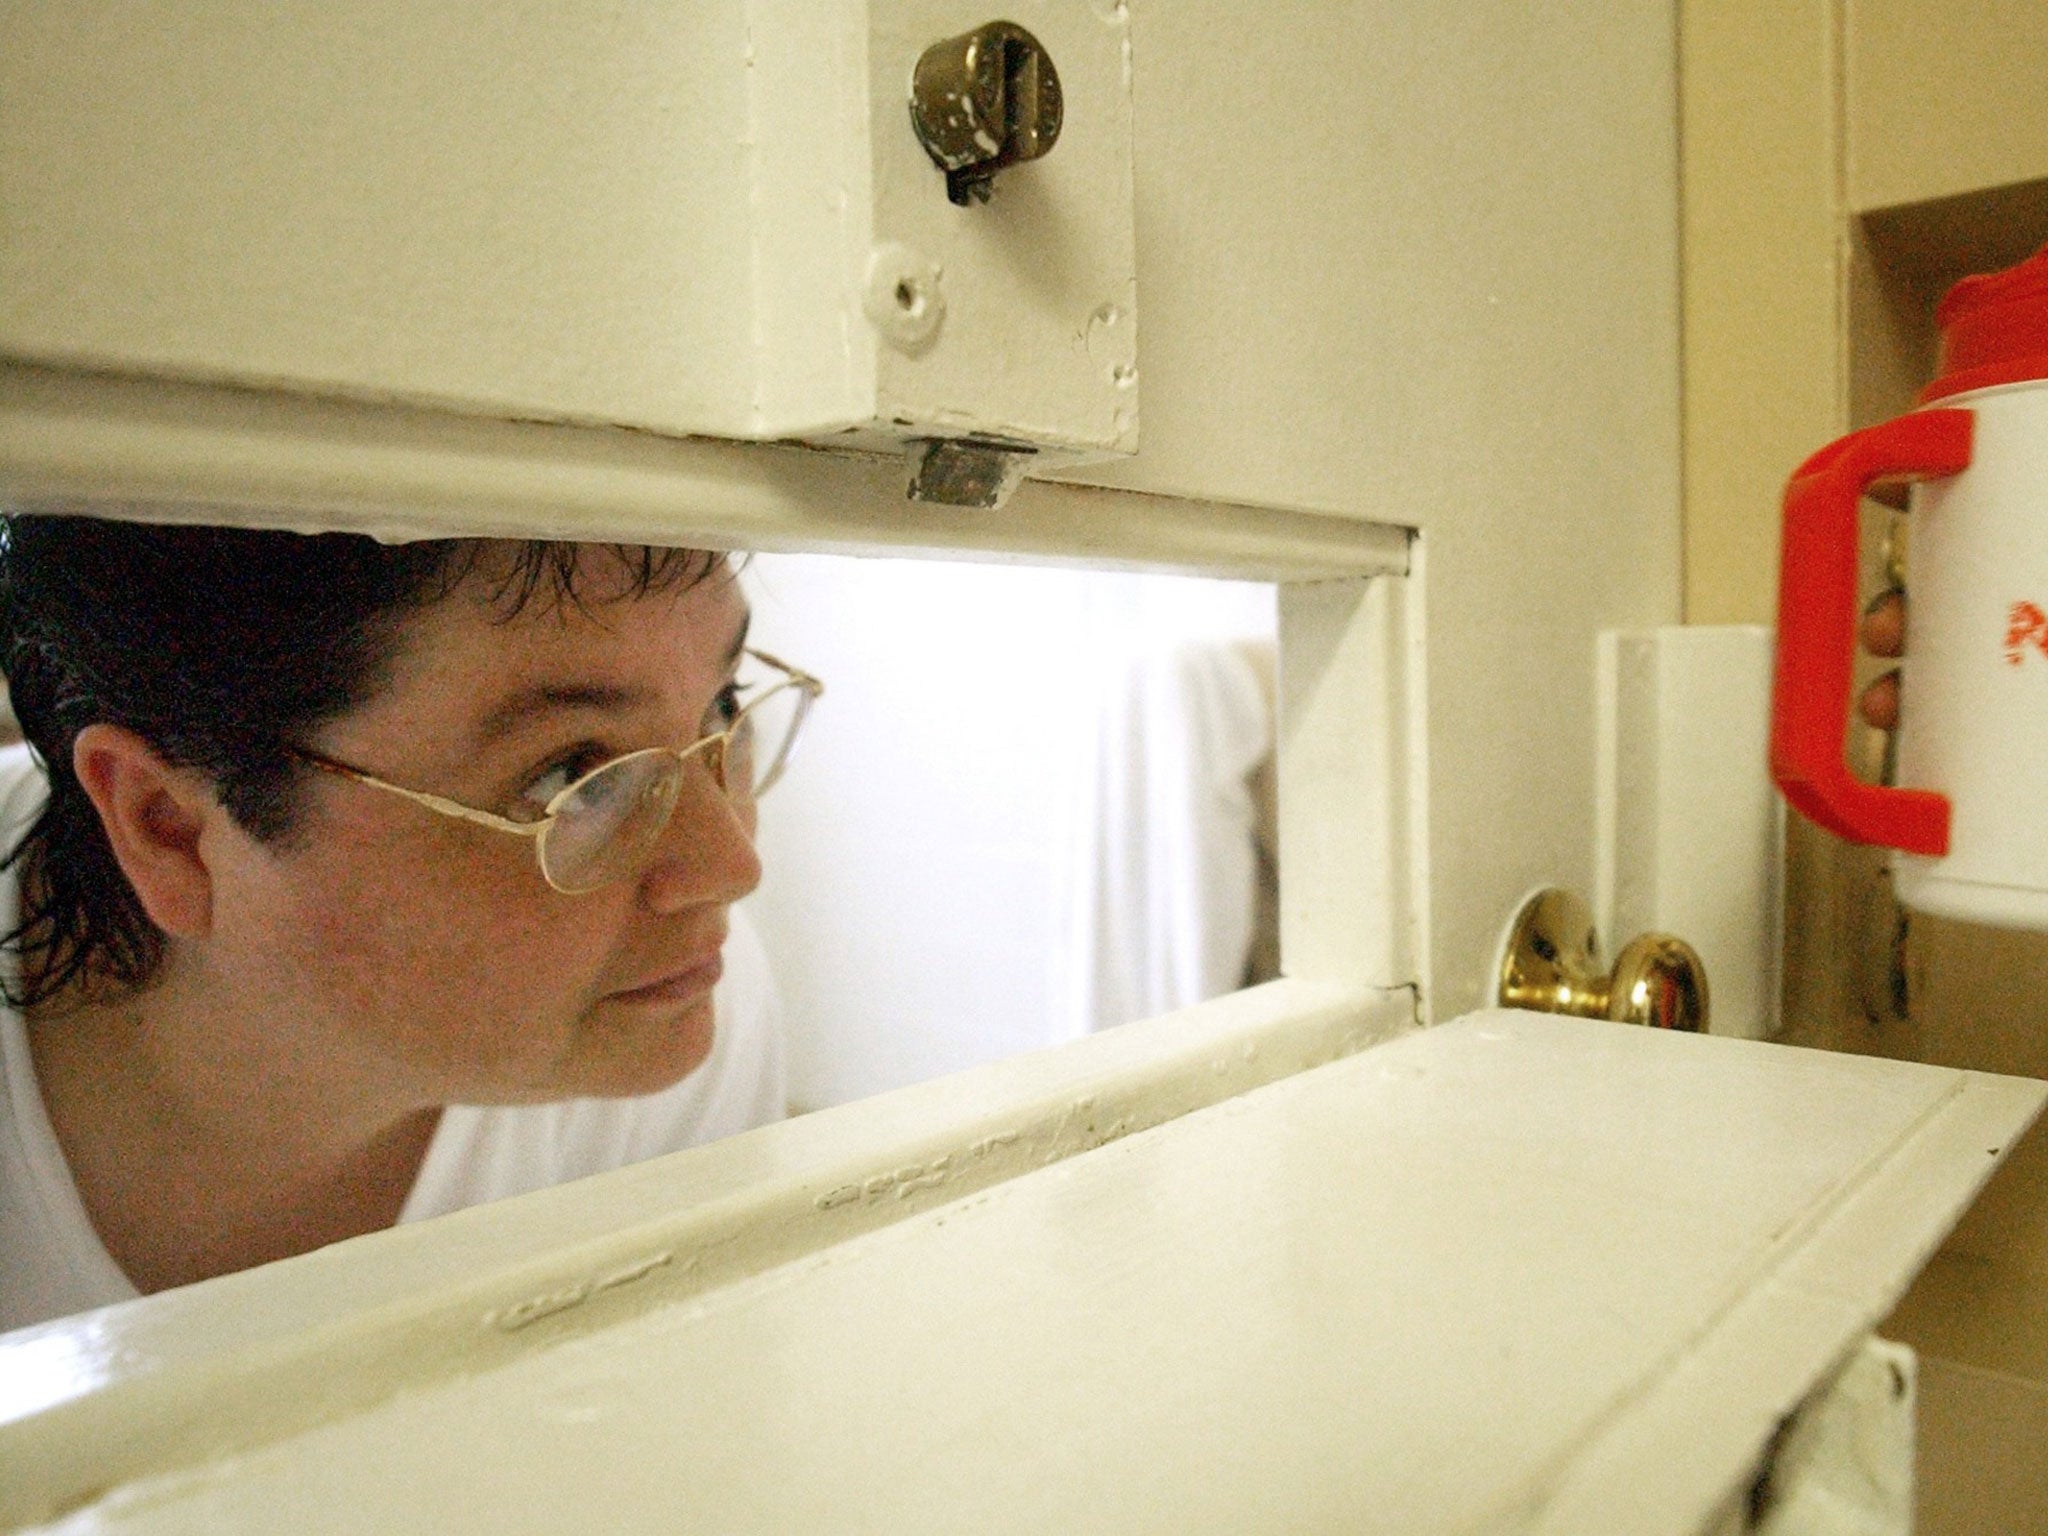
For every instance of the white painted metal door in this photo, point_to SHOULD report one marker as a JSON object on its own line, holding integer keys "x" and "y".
{"x": 1409, "y": 287}
{"x": 1514, "y": 1273}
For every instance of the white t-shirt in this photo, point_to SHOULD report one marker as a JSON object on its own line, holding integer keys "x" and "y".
{"x": 52, "y": 1262}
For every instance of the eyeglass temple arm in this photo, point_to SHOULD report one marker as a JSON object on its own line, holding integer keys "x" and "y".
{"x": 811, "y": 685}
{"x": 432, "y": 802}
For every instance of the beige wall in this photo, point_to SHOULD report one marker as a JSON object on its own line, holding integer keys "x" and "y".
{"x": 1760, "y": 236}
{"x": 1841, "y": 166}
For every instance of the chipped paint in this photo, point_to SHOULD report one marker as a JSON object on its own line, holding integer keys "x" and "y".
{"x": 523, "y": 1314}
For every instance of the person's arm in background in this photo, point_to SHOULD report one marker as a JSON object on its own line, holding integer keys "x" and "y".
{"x": 1884, "y": 634}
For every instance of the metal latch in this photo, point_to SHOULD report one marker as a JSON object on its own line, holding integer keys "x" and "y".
{"x": 966, "y": 471}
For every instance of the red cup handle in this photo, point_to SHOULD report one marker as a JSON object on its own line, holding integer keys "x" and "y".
{"x": 1817, "y": 630}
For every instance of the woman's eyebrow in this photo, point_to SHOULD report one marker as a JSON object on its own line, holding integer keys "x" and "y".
{"x": 543, "y": 699}
{"x": 538, "y": 700}
{"x": 526, "y": 705}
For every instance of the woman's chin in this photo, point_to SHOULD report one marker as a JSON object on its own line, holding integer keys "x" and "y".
{"x": 649, "y": 1054}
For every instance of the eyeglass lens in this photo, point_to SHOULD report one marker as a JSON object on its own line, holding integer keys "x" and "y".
{"x": 607, "y": 823}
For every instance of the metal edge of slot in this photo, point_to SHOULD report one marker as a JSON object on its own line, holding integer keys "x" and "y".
{"x": 277, "y": 1351}
{"x": 203, "y": 452}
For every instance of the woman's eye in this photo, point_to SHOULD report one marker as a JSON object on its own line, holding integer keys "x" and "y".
{"x": 724, "y": 709}
{"x": 559, "y": 775}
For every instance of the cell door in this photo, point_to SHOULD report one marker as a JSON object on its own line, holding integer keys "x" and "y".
{"x": 1347, "y": 1249}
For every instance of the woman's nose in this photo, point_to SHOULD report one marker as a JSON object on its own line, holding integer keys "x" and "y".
{"x": 706, "y": 853}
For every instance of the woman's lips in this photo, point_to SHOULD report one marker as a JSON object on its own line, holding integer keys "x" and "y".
{"x": 691, "y": 982}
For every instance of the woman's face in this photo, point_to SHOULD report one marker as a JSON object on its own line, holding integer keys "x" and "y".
{"x": 428, "y": 956}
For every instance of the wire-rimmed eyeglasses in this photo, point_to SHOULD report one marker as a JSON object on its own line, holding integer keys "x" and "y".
{"x": 599, "y": 828}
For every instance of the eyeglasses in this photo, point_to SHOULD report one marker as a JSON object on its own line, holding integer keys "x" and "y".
{"x": 600, "y": 828}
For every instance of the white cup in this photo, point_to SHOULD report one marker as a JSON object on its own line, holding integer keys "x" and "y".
{"x": 1973, "y": 719}
{"x": 1969, "y": 817}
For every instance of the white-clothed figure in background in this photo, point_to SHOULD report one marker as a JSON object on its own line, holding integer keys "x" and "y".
{"x": 1174, "y": 897}
{"x": 371, "y": 882}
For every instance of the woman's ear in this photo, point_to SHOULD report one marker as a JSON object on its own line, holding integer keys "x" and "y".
{"x": 153, "y": 814}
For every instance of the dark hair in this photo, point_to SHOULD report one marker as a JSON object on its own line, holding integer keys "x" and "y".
{"x": 222, "y": 648}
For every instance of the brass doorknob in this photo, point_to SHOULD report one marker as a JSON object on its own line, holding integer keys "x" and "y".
{"x": 982, "y": 101}
{"x": 1552, "y": 965}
